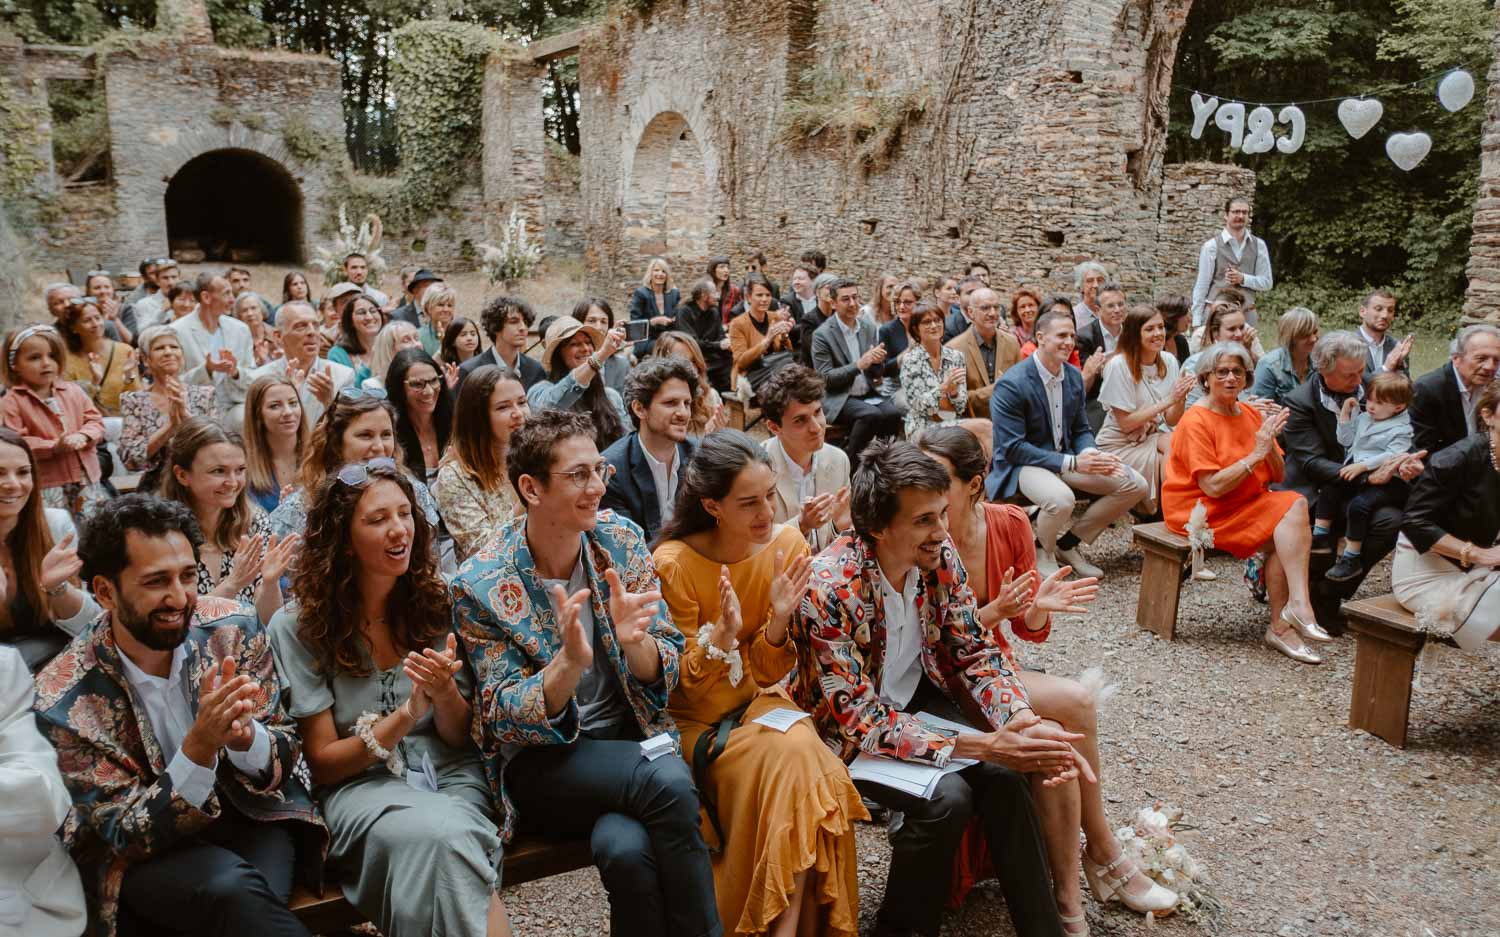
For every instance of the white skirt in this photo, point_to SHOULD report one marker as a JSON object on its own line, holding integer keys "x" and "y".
{"x": 1444, "y": 598}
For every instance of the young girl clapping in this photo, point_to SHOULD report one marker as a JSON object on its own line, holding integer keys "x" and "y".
{"x": 58, "y": 420}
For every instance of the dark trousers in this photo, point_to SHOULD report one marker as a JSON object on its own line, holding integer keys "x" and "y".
{"x": 1327, "y": 595}
{"x": 924, "y": 842}
{"x": 641, "y": 818}
{"x": 865, "y": 421}
{"x": 232, "y": 879}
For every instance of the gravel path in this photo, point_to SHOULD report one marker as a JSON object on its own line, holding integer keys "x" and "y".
{"x": 1307, "y": 827}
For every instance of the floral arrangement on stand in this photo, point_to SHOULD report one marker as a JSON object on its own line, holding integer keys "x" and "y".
{"x": 364, "y": 240}
{"x": 1152, "y": 842}
{"x": 517, "y": 257}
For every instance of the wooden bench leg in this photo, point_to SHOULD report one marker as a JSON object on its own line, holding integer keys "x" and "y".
{"x": 1384, "y": 661}
{"x": 1161, "y": 587}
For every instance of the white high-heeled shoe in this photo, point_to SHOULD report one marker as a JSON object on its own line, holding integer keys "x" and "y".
{"x": 1108, "y": 883}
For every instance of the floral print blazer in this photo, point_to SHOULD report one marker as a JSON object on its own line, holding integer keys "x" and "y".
{"x": 924, "y": 395}
{"x": 509, "y": 633}
{"x": 124, "y": 807}
{"x": 840, "y": 636}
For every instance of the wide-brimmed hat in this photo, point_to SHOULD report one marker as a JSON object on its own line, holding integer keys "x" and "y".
{"x": 423, "y": 276}
{"x": 560, "y": 331}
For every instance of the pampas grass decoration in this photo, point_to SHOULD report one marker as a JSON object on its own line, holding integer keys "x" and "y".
{"x": 1200, "y": 539}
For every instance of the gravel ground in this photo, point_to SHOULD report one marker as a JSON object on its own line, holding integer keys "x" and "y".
{"x": 1306, "y": 826}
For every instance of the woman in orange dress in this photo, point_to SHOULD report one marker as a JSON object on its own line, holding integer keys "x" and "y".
{"x": 1224, "y": 454}
{"x": 780, "y": 805}
{"x": 996, "y": 544}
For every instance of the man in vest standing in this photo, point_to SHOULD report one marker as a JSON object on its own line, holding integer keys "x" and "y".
{"x": 1234, "y": 257}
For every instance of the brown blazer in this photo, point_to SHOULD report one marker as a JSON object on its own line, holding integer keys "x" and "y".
{"x": 1007, "y": 353}
{"x": 744, "y": 338}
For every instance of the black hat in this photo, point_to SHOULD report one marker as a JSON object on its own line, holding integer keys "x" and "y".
{"x": 423, "y": 276}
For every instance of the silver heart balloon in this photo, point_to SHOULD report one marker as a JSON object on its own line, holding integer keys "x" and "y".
{"x": 1406, "y": 150}
{"x": 1456, "y": 90}
{"x": 1360, "y": 115}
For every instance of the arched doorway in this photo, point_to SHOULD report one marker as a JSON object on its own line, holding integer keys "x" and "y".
{"x": 666, "y": 197}
{"x": 235, "y": 205}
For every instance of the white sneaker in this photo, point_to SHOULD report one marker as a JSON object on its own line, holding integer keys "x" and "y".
{"x": 1082, "y": 568}
{"x": 1046, "y": 563}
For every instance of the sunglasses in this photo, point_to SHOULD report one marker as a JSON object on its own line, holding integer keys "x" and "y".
{"x": 358, "y": 473}
{"x": 355, "y": 393}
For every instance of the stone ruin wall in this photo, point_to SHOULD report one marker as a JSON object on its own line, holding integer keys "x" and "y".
{"x": 1040, "y": 147}
{"x": 1482, "y": 304}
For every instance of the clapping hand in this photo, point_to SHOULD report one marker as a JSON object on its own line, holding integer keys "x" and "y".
{"x": 1398, "y": 354}
{"x": 60, "y": 564}
{"x": 631, "y": 612}
{"x": 1270, "y": 428}
{"x": 1352, "y": 471}
{"x": 96, "y": 368}
{"x": 1058, "y": 593}
{"x": 279, "y": 556}
{"x": 577, "y": 644}
{"x": 431, "y": 675}
{"x": 717, "y": 421}
{"x": 788, "y": 586}
{"x": 222, "y": 362}
{"x": 225, "y": 703}
{"x": 952, "y": 381}
{"x": 450, "y": 374}
{"x": 1012, "y": 598}
{"x": 874, "y": 356}
{"x": 247, "y": 561}
{"x": 1093, "y": 364}
{"x": 731, "y": 622}
{"x": 1095, "y": 462}
{"x": 1183, "y": 386}
{"x": 816, "y": 511}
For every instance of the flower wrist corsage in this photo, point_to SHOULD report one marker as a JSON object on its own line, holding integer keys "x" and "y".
{"x": 365, "y": 729}
{"x": 714, "y": 652}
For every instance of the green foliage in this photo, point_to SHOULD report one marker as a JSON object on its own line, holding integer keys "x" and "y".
{"x": 1338, "y": 216}
{"x": 21, "y": 120}
{"x": 868, "y": 121}
{"x": 80, "y": 125}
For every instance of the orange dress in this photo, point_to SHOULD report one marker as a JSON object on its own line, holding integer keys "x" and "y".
{"x": 1205, "y": 441}
{"x": 785, "y": 801}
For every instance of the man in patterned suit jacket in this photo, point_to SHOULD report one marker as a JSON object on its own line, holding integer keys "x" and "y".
{"x": 890, "y": 629}
{"x": 574, "y": 654}
{"x": 187, "y": 816}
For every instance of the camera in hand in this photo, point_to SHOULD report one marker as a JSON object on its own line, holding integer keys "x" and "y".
{"x": 637, "y": 330}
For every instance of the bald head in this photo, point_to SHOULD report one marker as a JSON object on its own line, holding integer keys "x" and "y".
{"x": 984, "y": 312}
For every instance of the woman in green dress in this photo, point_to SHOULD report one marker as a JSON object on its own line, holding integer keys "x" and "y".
{"x": 382, "y": 701}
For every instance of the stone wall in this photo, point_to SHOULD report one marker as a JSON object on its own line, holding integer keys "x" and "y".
{"x": 1038, "y": 145}
{"x": 1482, "y": 303}
{"x": 563, "y": 236}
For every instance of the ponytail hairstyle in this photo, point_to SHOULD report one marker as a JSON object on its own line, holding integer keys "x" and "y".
{"x": 709, "y": 474}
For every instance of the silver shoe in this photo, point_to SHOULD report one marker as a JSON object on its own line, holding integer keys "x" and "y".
{"x": 1311, "y": 632}
{"x": 1300, "y": 654}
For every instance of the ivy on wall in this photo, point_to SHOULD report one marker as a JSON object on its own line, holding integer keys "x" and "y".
{"x": 22, "y": 118}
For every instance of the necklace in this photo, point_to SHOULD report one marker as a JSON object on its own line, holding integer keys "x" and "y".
{"x": 1494, "y": 456}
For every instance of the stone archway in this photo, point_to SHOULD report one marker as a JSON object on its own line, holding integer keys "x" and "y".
{"x": 235, "y": 204}
{"x": 666, "y": 206}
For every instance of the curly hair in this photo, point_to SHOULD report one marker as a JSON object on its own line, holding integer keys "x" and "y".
{"x": 325, "y": 449}
{"x": 327, "y": 575}
{"x": 498, "y": 311}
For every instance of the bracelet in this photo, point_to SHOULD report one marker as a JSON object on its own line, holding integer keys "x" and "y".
{"x": 594, "y": 363}
{"x": 365, "y": 729}
{"x": 58, "y": 589}
{"x": 1466, "y": 555}
{"x": 714, "y": 652}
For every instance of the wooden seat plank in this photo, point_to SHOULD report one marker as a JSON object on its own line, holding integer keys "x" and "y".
{"x": 1388, "y": 640}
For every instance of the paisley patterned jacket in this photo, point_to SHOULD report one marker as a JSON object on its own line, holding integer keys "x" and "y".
{"x": 125, "y": 809}
{"x": 840, "y": 635}
{"x": 509, "y": 633}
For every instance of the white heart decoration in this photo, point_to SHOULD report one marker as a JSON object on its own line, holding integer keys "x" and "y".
{"x": 1456, "y": 90}
{"x": 1406, "y": 150}
{"x": 1360, "y": 115}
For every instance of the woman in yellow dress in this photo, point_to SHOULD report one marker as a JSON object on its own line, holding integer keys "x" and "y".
{"x": 780, "y": 805}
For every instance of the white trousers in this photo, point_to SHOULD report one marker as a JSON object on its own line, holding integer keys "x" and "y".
{"x": 1054, "y": 495}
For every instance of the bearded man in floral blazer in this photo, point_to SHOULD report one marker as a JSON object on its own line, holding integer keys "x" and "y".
{"x": 171, "y": 738}
{"x": 890, "y": 629}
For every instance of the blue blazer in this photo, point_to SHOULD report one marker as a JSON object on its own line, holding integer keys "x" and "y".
{"x": 643, "y": 306}
{"x": 1021, "y": 425}
{"x": 632, "y": 490}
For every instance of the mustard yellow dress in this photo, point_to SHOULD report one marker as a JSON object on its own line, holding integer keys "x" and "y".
{"x": 785, "y": 802}
{"x": 117, "y": 378}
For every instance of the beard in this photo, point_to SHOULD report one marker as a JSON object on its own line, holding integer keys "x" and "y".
{"x": 141, "y": 626}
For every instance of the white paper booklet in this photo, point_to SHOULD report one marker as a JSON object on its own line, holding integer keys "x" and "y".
{"x": 918, "y": 780}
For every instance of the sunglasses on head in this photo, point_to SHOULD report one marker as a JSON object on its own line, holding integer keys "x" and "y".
{"x": 355, "y": 393}
{"x": 358, "y": 473}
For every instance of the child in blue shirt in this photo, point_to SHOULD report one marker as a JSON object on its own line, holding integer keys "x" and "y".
{"x": 1373, "y": 437}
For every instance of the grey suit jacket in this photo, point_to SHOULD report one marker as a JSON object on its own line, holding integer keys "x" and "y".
{"x": 830, "y": 358}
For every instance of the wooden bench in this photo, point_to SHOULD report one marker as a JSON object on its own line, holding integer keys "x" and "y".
{"x": 1161, "y": 577}
{"x": 1387, "y": 642}
{"x": 526, "y": 860}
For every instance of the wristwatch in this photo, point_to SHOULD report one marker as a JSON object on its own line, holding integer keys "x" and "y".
{"x": 595, "y": 363}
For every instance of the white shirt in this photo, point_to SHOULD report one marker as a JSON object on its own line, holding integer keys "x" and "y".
{"x": 1376, "y": 346}
{"x": 166, "y": 702}
{"x": 1209, "y": 253}
{"x": 1054, "y": 385}
{"x": 1109, "y": 340}
{"x": 806, "y": 482}
{"x": 1463, "y": 394}
{"x": 665, "y": 476}
{"x": 903, "y": 634}
{"x": 860, "y": 387}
